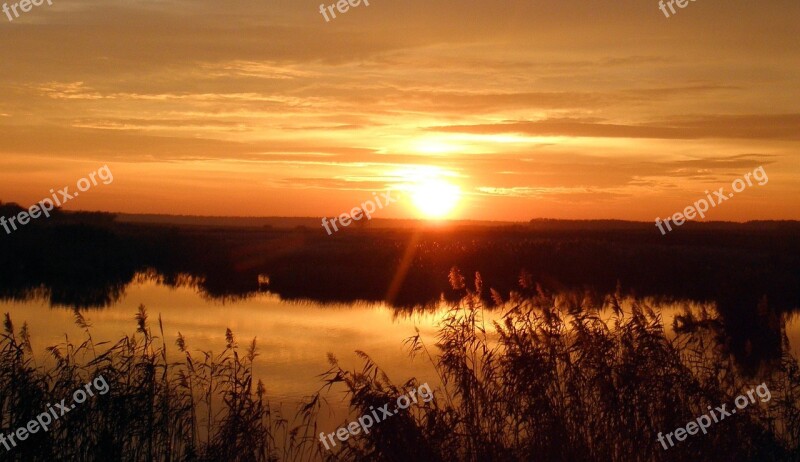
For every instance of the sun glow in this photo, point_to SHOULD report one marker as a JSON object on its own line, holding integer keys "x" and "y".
{"x": 435, "y": 198}
{"x": 435, "y": 147}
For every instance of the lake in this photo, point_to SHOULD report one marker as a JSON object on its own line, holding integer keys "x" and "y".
{"x": 293, "y": 337}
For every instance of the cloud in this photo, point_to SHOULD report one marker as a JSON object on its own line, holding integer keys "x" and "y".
{"x": 564, "y": 99}
{"x": 754, "y": 126}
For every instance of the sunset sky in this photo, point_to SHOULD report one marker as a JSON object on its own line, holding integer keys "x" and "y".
{"x": 557, "y": 108}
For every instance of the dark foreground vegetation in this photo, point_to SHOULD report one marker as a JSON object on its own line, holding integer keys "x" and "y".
{"x": 569, "y": 377}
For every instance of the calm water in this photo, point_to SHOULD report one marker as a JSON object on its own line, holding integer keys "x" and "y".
{"x": 293, "y": 338}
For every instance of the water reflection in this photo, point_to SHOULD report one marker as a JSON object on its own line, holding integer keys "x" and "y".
{"x": 295, "y": 336}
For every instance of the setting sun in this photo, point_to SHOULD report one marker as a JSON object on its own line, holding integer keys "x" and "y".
{"x": 435, "y": 198}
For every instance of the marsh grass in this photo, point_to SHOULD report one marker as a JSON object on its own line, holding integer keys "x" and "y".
{"x": 568, "y": 377}
{"x": 205, "y": 408}
{"x": 557, "y": 379}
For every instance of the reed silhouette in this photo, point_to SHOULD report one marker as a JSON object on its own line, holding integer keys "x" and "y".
{"x": 567, "y": 376}
{"x": 555, "y": 381}
{"x": 198, "y": 409}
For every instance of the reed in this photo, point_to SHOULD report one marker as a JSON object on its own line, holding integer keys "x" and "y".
{"x": 574, "y": 378}
{"x": 560, "y": 377}
{"x": 205, "y": 408}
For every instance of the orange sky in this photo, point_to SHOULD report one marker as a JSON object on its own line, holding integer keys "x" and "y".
{"x": 556, "y": 108}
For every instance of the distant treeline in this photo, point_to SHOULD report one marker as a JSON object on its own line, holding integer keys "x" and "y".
{"x": 85, "y": 259}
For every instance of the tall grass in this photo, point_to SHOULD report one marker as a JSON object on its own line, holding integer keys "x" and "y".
{"x": 572, "y": 378}
{"x": 568, "y": 377}
{"x": 196, "y": 409}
